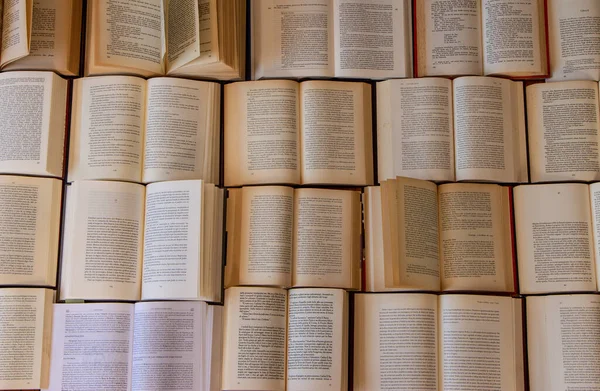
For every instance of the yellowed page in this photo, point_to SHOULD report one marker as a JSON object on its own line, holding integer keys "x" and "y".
{"x": 262, "y": 140}
{"x": 395, "y": 342}
{"x": 336, "y": 134}
{"x": 233, "y": 227}
{"x": 266, "y": 236}
{"x": 16, "y": 30}
{"x": 327, "y": 251}
{"x": 374, "y": 252}
{"x": 182, "y": 29}
{"x": 555, "y": 246}
{"x": 255, "y": 339}
{"x": 564, "y": 353}
{"x": 564, "y": 131}
{"x": 473, "y": 251}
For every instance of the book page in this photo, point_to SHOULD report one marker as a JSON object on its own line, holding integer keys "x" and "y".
{"x": 414, "y": 129}
{"x": 395, "y": 342}
{"x": 475, "y": 236}
{"x": 254, "y": 348}
{"x": 107, "y": 128}
{"x": 130, "y": 35}
{"x": 555, "y": 246}
{"x": 448, "y": 37}
{"x": 336, "y": 135}
{"x": 317, "y": 355}
{"x": 327, "y": 251}
{"x": 595, "y": 207}
{"x": 172, "y": 240}
{"x": 574, "y": 36}
{"x": 26, "y": 315}
{"x": 293, "y": 38}
{"x": 564, "y": 131}
{"x": 489, "y": 130}
{"x": 16, "y": 30}
{"x": 173, "y": 361}
{"x": 262, "y": 139}
{"x": 513, "y": 40}
{"x": 481, "y": 345}
{"x": 182, "y": 31}
{"x": 373, "y": 38}
{"x": 29, "y": 230}
{"x": 104, "y": 261}
{"x": 179, "y": 121}
{"x": 266, "y": 236}
{"x": 92, "y": 345}
{"x": 564, "y": 353}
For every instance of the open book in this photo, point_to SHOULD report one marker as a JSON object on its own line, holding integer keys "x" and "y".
{"x": 564, "y": 131}
{"x": 471, "y": 128}
{"x": 267, "y": 328}
{"x": 164, "y": 239}
{"x": 32, "y": 129}
{"x": 481, "y": 37}
{"x": 29, "y": 230}
{"x": 325, "y": 38}
{"x": 457, "y": 236}
{"x": 428, "y": 342}
{"x": 285, "y": 237}
{"x": 142, "y": 346}
{"x": 194, "y": 38}
{"x": 25, "y": 335}
{"x": 41, "y": 35}
{"x": 558, "y": 237}
{"x": 563, "y": 342}
{"x": 574, "y": 37}
{"x": 129, "y": 129}
{"x": 282, "y": 131}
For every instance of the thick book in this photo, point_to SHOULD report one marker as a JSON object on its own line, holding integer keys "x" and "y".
{"x": 427, "y": 342}
{"x": 481, "y": 37}
{"x": 280, "y": 236}
{"x": 130, "y": 129}
{"x": 42, "y": 35}
{"x": 278, "y": 340}
{"x": 29, "y": 230}
{"x": 558, "y": 237}
{"x": 564, "y": 131}
{"x": 124, "y": 241}
{"x": 32, "y": 126}
{"x": 192, "y": 38}
{"x": 451, "y": 237}
{"x": 470, "y": 128}
{"x": 142, "y": 346}
{"x": 285, "y": 132}
{"x": 25, "y": 335}
{"x": 339, "y": 38}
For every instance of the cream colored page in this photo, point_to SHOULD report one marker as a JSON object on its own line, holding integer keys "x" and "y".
{"x": 254, "y": 347}
{"x": 473, "y": 254}
{"x": 563, "y": 355}
{"x": 294, "y": 38}
{"x": 395, "y": 342}
{"x": 336, "y": 133}
{"x": 315, "y": 340}
{"x": 451, "y": 38}
{"x": 29, "y": 230}
{"x": 326, "y": 237}
{"x": 262, "y": 139}
{"x": 373, "y": 38}
{"x": 478, "y": 338}
{"x": 108, "y": 128}
{"x": 574, "y": 37}
{"x": 595, "y": 208}
{"x": 177, "y": 123}
{"x": 564, "y": 131}
{"x": 511, "y": 36}
{"x": 15, "y": 31}
{"x": 182, "y": 31}
{"x": 266, "y": 236}
{"x": 415, "y": 136}
{"x": 105, "y": 260}
{"x": 374, "y": 252}
{"x": 130, "y": 35}
{"x": 554, "y": 238}
{"x": 487, "y": 130}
